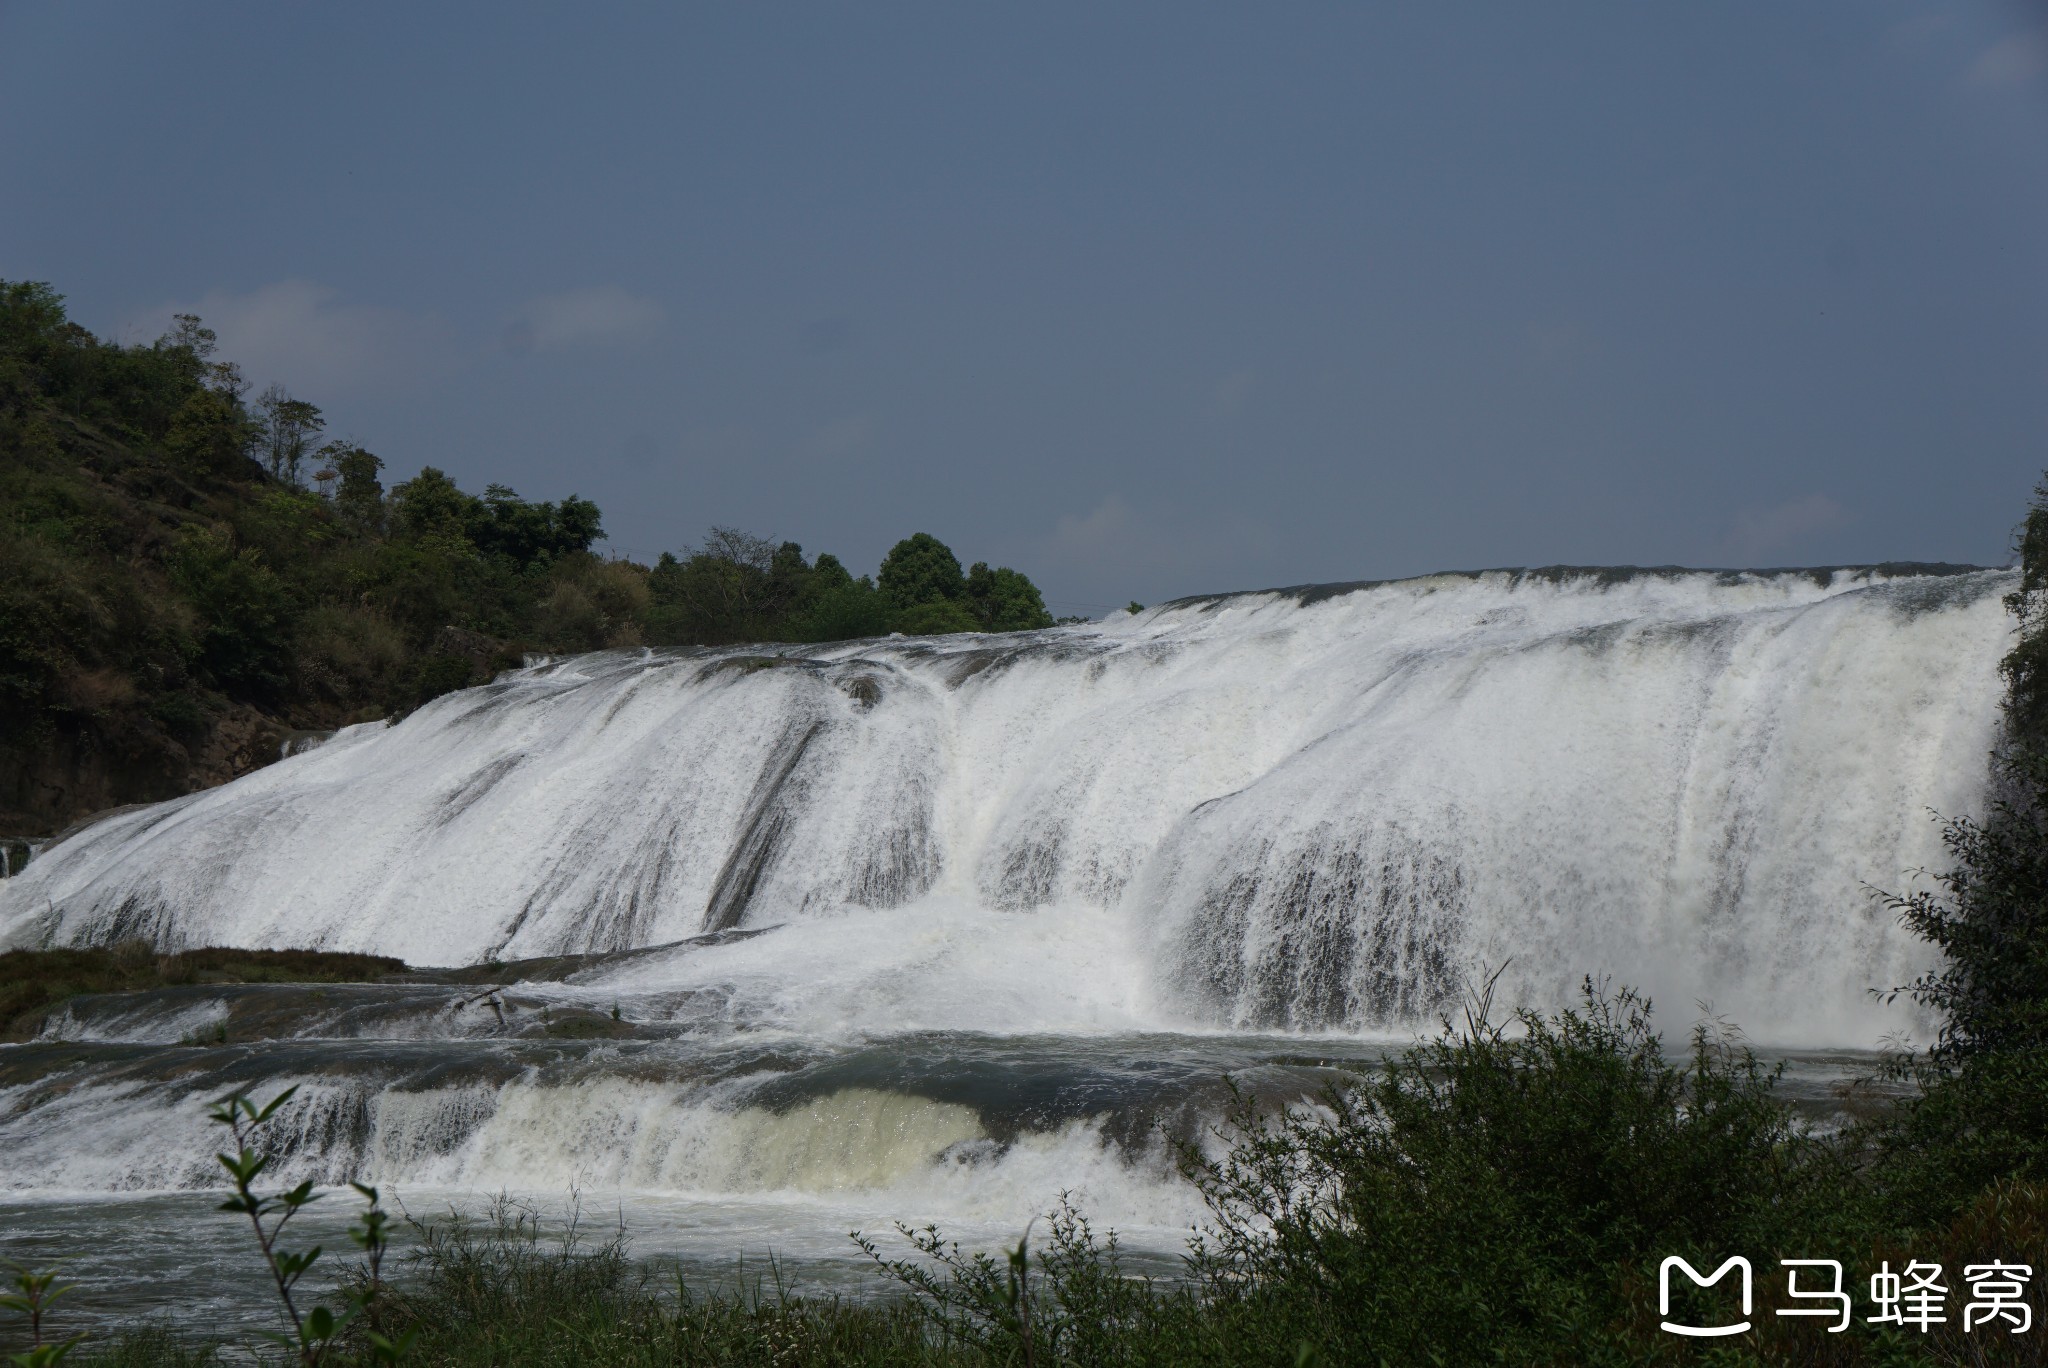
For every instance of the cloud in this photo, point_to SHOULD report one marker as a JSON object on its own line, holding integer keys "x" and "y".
{"x": 1759, "y": 533}
{"x": 303, "y": 335}
{"x": 599, "y": 315}
{"x": 2012, "y": 59}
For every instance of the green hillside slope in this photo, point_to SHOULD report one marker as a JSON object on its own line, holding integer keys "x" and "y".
{"x": 188, "y": 576}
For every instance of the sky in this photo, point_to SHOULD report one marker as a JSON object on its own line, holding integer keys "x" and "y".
{"x": 1145, "y": 300}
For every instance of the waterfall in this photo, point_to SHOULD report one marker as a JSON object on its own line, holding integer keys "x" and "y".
{"x": 1327, "y": 809}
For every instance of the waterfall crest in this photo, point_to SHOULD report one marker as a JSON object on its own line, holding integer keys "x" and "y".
{"x": 1319, "y": 809}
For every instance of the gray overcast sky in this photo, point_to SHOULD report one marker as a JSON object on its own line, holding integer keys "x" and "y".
{"x": 1144, "y": 300}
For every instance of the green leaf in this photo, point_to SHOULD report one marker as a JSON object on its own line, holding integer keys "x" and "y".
{"x": 292, "y": 1266}
{"x": 391, "y": 1351}
{"x": 275, "y": 1103}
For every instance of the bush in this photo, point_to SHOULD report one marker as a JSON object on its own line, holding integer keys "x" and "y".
{"x": 935, "y": 619}
{"x": 1490, "y": 1193}
{"x": 503, "y": 1289}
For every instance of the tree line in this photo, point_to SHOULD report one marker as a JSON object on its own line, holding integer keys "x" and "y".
{"x": 186, "y": 570}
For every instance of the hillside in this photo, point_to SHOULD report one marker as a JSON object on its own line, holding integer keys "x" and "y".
{"x": 188, "y": 577}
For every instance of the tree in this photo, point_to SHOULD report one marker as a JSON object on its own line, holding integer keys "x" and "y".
{"x": 288, "y": 425}
{"x": 1982, "y": 1112}
{"x": 1005, "y": 600}
{"x": 846, "y": 608}
{"x": 719, "y": 594}
{"x": 31, "y": 313}
{"x": 738, "y": 547}
{"x": 921, "y": 569}
{"x": 244, "y": 614}
{"x": 189, "y": 334}
{"x": 210, "y": 435}
{"x": 430, "y": 505}
{"x": 1989, "y": 912}
{"x": 527, "y": 534}
{"x": 360, "y": 499}
{"x": 197, "y": 342}
{"x": 577, "y": 524}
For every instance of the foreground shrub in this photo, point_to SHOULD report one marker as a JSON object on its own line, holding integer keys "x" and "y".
{"x": 502, "y": 1290}
{"x": 1495, "y": 1194}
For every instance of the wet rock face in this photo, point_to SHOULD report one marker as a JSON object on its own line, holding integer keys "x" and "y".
{"x": 116, "y": 759}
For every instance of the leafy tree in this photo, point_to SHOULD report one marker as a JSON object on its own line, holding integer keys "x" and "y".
{"x": 1005, "y": 600}
{"x": 715, "y": 596}
{"x": 245, "y": 612}
{"x": 430, "y": 506}
{"x": 210, "y": 435}
{"x": 360, "y": 498}
{"x": 921, "y": 569}
{"x": 845, "y": 610}
{"x": 528, "y": 534}
{"x": 31, "y": 315}
{"x": 189, "y": 334}
{"x": 288, "y": 425}
{"x": 1983, "y": 1109}
{"x": 577, "y": 524}
{"x": 2026, "y": 666}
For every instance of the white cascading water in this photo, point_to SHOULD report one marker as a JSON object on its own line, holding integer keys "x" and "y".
{"x": 932, "y": 929}
{"x": 1251, "y": 812}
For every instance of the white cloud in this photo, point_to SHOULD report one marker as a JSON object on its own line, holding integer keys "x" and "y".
{"x": 2012, "y": 59}
{"x": 302, "y": 334}
{"x": 599, "y": 315}
{"x": 1760, "y": 533}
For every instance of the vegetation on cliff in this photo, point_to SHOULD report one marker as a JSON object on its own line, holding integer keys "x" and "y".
{"x": 187, "y": 575}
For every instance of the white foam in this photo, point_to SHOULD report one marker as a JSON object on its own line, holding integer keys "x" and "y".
{"x": 1249, "y": 812}
{"x": 868, "y": 1153}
